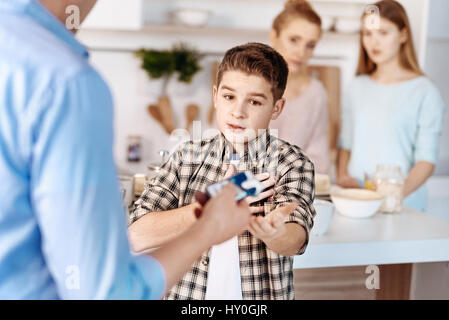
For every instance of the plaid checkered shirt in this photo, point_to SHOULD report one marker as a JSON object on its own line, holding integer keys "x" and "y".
{"x": 265, "y": 274}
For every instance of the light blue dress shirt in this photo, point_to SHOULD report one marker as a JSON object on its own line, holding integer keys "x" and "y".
{"x": 397, "y": 124}
{"x": 62, "y": 224}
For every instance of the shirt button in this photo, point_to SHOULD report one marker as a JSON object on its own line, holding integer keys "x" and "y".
{"x": 204, "y": 262}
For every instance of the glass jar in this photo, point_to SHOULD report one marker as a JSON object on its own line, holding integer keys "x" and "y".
{"x": 139, "y": 181}
{"x": 388, "y": 180}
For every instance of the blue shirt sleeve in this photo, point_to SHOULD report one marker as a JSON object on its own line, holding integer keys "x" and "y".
{"x": 75, "y": 196}
{"x": 430, "y": 125}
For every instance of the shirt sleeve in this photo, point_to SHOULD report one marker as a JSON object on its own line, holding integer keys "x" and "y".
{"x": 296, "y": 183}
{"x": 75, "y": 196}
{"x": 430, "y": 124}
{"x": 162, "y": 192}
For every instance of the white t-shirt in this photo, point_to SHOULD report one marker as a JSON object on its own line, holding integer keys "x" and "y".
{"x": 223, "y": 277}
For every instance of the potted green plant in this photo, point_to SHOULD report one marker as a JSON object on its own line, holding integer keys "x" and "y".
{"x": 180, "y": 60}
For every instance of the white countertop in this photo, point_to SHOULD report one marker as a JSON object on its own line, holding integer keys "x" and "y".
{"x": 407, "y": 237}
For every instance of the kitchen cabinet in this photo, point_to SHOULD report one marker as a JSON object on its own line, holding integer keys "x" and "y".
{"x": 349, "y": 283}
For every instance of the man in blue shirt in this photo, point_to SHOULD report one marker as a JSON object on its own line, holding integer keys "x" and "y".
{"x": 62, "y": 225}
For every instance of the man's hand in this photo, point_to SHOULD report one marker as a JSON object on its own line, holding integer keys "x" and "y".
{"x": 271, "y": 226}
{"x": 224, "y": 217}
{"x": 266, "y": 180}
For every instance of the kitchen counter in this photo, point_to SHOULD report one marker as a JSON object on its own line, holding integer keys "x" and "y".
{"x": 407, "y": 237}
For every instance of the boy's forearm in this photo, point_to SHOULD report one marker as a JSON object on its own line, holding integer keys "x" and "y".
{"x": 290, "y": 242}
{"x": 156, "y": 228}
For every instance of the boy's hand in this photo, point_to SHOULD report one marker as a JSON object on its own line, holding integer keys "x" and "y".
{"x": 271, "y": 226}
{"x": 267, "y": 182}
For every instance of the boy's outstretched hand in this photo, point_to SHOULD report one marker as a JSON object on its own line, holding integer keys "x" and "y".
{"x": 271, "y": 226}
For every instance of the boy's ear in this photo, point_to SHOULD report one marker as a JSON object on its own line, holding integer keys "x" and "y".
{"x": 278, "y": 107}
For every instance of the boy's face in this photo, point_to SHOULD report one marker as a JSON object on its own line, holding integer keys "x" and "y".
{"x": 244, "y": 104}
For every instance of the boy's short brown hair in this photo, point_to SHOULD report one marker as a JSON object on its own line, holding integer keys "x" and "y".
{"x": 260, "y": 59}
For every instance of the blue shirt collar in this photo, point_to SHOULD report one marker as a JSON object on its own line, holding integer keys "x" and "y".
{"x": 37, "y": 12}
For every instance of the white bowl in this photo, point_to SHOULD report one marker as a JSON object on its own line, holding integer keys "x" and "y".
{"x": 348, "y": 25}
{"x": 324, "y": 215}
{"x": 191, "y": 17}
{"x": 356, "y": 203}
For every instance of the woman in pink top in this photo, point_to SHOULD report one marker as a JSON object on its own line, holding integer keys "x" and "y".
{"x": 304, "y": 120}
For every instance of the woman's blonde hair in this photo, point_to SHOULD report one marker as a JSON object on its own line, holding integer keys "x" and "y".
{"x": 293, "y": 9}
{"x": 394, "y": 12}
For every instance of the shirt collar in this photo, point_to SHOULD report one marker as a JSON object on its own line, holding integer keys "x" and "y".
{"x": 254, "y": 149}
{"x": 38, "y": 13}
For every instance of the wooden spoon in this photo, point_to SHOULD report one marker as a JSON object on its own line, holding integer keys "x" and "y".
{"x": 166, "y": 113}
{"x": 192, "y": 112}
{"x": 154, "y": 113}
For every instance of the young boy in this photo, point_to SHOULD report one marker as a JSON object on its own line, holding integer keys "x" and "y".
{"x": 257, "y": 264}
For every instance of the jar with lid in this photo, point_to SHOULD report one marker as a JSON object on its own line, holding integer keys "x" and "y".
{"x": 389, "y": 181}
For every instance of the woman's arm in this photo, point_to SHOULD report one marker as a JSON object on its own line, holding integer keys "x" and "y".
{"x": 344, "y": 180}
{"x": 418, "y": 176}
{"x": 430, "y": 126}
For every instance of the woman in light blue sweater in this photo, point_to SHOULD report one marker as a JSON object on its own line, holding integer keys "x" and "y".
{"x": 392, "y": 113}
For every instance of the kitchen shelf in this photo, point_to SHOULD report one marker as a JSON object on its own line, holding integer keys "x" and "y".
{"x": 361, "y": 2}
{"x": 219, "y": 31}
{"x": 181, "y": 29}
{"x": 213, "y": 41}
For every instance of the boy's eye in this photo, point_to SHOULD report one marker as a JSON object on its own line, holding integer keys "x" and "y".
{"x": 293, "y": 40}
{"x": 255, "y": 102}
{"x": 311, "y": 46}
{"x": 383, "y": 32}
{"x": 228, "y": 97}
